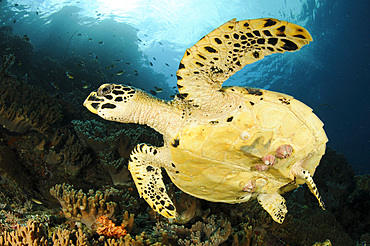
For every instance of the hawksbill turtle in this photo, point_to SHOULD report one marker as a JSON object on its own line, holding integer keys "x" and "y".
{"x": 222, "y": 144}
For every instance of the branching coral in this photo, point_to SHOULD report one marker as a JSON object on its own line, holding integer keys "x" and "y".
{"x": 81, "y": 207}
{"x": 24, "y": 107}
{"x": 30, "y": 234}
{"x": 212, "y": 231}
{"x": 8, "y": 61}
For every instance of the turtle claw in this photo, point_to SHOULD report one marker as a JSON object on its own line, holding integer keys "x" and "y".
{"x": 284, "y": 151}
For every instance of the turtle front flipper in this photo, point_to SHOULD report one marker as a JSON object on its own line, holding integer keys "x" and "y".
{"x": 218, "y": 55}
{"x": 145, "y": 167}
{"x": 274, "y": 204}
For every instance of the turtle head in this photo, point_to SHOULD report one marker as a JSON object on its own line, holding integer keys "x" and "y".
{"x": 111, "y": 101}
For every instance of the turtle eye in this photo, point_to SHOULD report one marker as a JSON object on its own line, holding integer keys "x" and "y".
{"x": 105, "y": 89}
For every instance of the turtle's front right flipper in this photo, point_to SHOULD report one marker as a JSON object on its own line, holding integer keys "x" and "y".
{"x": 145, "y": 167}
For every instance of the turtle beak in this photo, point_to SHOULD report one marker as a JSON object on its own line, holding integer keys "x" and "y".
{"x": 92, "y": 102}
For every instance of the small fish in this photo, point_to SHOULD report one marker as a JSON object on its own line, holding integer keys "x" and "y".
{"x": 160, "y": 43}
{"x": 139, "y": 40}
{"x": 136, "y": 73}
{"x": 80, "y": 34}
{"x": 127, "y": 63}
{"x": 151, "y": 64}
{"x": 90, "y": 39}
{"x": 16, "y": 5}
{"x": 167, "y": 64}
{"x": 98, "y": 14}
{"x": 55, "y": 85}
{"x": 36, "y": 201}
{"x": 37, "y": 12}
{"x": 86, "y": 86}
{"x": 171, "y": 75}
{"x": 111, "y": 66}
{"x": 157, "y": 89}
{"x": 153, "y": 92}
{"x": 118, "y": 60}
{"x": 14, "y": 21}
{"x": 120, "y": 72}
{"x": 69, "y": 75}
{"x": 154, "y": 58}
{"x": 101, "y": 42}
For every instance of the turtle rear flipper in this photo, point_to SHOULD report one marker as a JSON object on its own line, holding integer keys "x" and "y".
{"x": 218, "y": 55}
{"x": 274, "y": 204}
{"x": 144, "y": 165}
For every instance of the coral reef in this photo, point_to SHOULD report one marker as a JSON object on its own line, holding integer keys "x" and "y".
{"x": 211, "y": 231}
{"x": 24, "y": 107}
{"x": 83, "y": 208}
{"x": 107, "y": 228}
{"x": 31, "y": 234}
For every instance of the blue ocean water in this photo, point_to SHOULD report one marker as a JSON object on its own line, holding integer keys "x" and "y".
{"x": 142, "y": 42}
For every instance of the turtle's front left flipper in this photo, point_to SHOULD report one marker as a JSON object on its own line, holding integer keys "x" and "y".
{"x": 274, "y": 204}
{"x": 144, "y": 165}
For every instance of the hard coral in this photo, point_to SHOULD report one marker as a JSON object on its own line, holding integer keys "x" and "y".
{"x": 31, "y": 234}
{"x": 81, "y": 207}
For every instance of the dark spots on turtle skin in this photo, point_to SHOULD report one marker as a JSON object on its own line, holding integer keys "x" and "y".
{"x": 289, "y": 45}
{"x": 170, "y": 207}
{"x": 115, "y": 92}
{"x": 109, "y": 97}
{"x": 267, "y": 33}
{"x": 237, "y": 45}
{"x": 187, "y": 53}
{"x": 250, "y": 35}
{"x": 163, "y": 202}
{"x": 246, "y": 24}
{"x": 284, "y": 100}
{"x": 218, "y": 41}
{"x": 270, "y": 49}
{"x": 230, "y": 119}
{"x": 226, "y": 36}
{"x": 173, "y": 165}
{"x": 236, "y": 36}
{"x": 254, "y": 91}
{"x": 181, "y": 66}
{"x": 257, "y": 33}
{"x": 252, "y": 103}
{"x": 95, "y": 105}
{"x": 108, "y": 105}
{"x": 238, "y": 63}
{"x": 196, "y": 72}
{"x": 299, "y": 36}
{"x": 272, "y": 41}
{"x": 216, "y": 70}
{"x": 199, "y": 64}
{"x": 269, "y": 22}
{"x": 149, "y": 169}
{"x": 161, "y": 189}
{"x": 155, "y": 152}
{"x": 178, "y": 78}
{"x": 261, "y": 41}
{"x": 214, "y": 122}
{"x": 281, "y": 29}
{"x": 202, "y": 57}
{"x": 183, "y": 95}
{"x": 256, "y": 54}
{"x": 231, "y": 27}
{"x": 118, "y": 99}
{"x": 94, "y": 98}
{"x": 176, "y": 142}
{"x": 210, "y": 49}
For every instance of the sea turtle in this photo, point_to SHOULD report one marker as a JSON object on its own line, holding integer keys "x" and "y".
{"x": 222, "y": 144}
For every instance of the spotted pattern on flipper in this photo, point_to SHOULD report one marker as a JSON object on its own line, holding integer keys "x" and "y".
{"x": 274, "y": 204}
{"x": 312, "y": 186}
{"x": 146, "y": 172}
{"x": 227, "y": 49}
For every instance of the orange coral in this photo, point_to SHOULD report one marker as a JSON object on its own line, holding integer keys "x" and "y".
{"x": 109, "y": 229}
